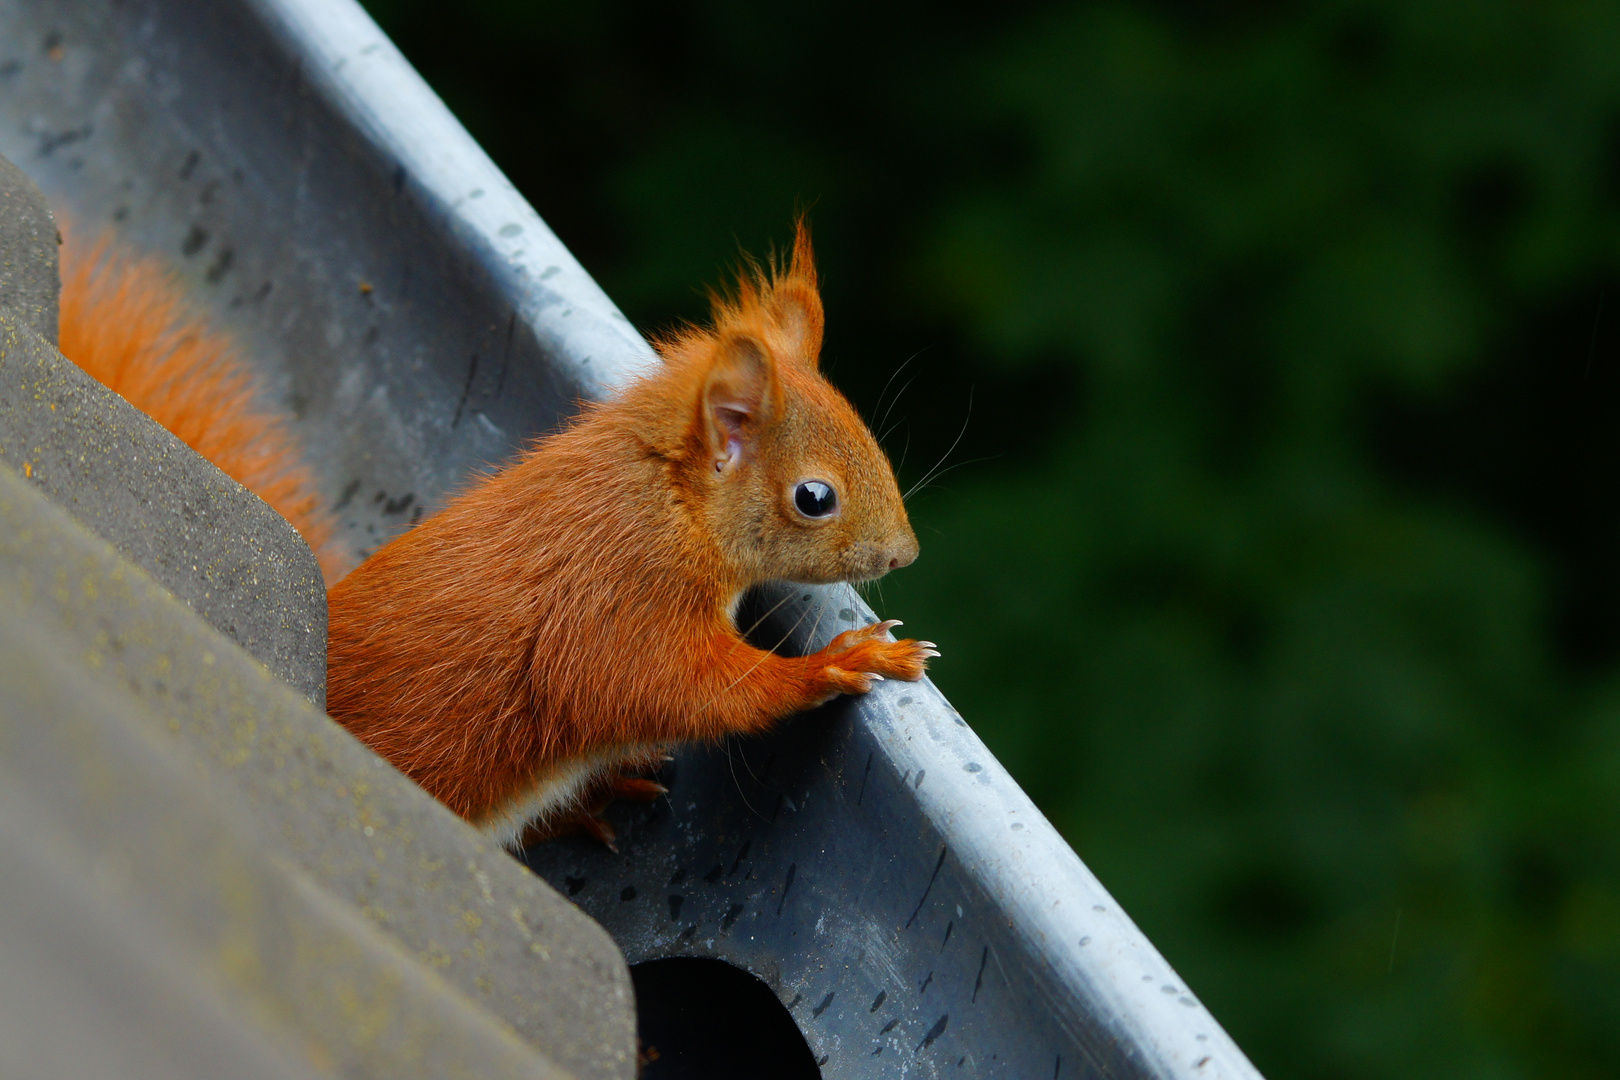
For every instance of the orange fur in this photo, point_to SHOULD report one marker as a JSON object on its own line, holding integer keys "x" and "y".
{"x": 126, "y": 323}
{"x": 575, "y": 608}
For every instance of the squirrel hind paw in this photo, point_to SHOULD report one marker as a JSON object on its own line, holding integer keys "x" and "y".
{"x": 603, "y": 792}
{"x": 589, "y": 822}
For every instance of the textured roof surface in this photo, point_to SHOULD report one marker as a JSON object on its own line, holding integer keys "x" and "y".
{"x": 200, "y": 873}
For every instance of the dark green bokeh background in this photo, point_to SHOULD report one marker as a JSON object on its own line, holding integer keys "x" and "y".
{"x": 1281, "y": 567}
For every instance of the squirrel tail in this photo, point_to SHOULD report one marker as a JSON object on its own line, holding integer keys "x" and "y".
{"x": 125, "y": 321}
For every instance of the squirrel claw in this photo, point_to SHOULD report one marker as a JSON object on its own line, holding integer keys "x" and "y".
{"x": 606, "y": 835}
{"x": 637, "y": 788}
{"x": 597, "y": 829}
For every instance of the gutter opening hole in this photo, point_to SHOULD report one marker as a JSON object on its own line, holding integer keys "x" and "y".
{"x": 702, "y": 1019}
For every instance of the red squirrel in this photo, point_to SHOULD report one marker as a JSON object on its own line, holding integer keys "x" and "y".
{"x": 125, "y": 321}
{"x": 564, "y": 618}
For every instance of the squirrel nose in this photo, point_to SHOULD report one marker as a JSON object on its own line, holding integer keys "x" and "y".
{"x": 903, "y": 552}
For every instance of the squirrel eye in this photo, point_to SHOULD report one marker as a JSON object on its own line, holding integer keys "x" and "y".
{"x": 815, "y": 499}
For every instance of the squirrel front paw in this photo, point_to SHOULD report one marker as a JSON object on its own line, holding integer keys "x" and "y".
{"x": 858, "y": 658}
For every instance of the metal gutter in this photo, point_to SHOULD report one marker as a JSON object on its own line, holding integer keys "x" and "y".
{"x": 875, "y": 863}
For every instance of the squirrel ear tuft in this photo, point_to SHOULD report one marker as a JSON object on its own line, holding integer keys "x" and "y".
{"x": 795, "y": 299}
{"x": 797, "y": 312}
{"x": 739, "y": 400}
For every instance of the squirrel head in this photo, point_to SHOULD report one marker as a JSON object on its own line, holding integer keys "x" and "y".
{"x": 772, "y": 460}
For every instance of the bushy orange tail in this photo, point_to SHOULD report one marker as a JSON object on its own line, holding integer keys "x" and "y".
{"x": 125, "y": 322}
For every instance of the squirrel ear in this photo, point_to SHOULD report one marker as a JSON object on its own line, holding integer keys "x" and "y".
{"x": 739, "y": 399}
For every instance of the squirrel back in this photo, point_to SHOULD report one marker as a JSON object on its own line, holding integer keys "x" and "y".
{"x": 125, "y": 321}
{"x": 574, "y": 610}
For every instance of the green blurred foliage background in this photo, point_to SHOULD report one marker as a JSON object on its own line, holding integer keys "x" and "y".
{"x": 1281, "y": 562}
